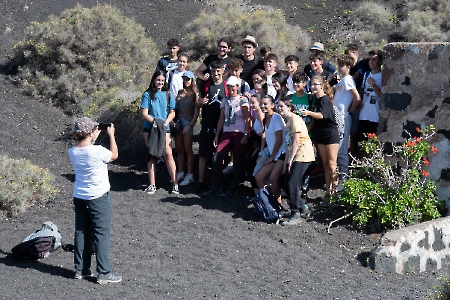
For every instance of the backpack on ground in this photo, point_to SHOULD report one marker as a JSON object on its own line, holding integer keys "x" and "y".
{"x": 39, "y": 247}
{"x": 39, "y": 244}
{"x": 267, "y": 206}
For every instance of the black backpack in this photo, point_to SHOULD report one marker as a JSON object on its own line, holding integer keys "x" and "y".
{"x": 34, "y": 249}
{"x": 267, "y": 207}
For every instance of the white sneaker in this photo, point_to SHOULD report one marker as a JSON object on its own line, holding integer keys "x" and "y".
{"x": 189, "y": 178}
{"x": 151, "y": 189}
{"x": 228, "y": 169}
{"x": 180, "y": 176}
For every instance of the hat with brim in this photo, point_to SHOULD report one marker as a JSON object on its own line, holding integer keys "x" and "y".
{"x": 188, "y": 74}
{"x": 233, "y": 80}
{"x": 318, "y": 47}
{"x": 85, "y": 125}
{"x": 249, "y": 39}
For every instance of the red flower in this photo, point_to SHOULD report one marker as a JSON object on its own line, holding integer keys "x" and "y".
{"x": 434, "y": 149}
{"x": 372, "y": 136}
{"x": 419, "y": 140}
{"x": 425, "y": 160}
{"x": 425, "y": 173}
{"x": 417, "y": 129}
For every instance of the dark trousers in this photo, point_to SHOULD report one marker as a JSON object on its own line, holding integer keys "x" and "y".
{"x": 92, "y": 223}
{"x": 228, "y": 141}
{"x": 293, "y": 185}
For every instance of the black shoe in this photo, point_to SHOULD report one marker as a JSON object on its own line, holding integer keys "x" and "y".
{"x": 228, "y": 194}
{"x": 199, "y": 187}
{"x": 212, "y": 193}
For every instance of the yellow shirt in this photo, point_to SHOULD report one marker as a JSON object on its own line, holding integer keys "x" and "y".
{"x": 305, "y": 152}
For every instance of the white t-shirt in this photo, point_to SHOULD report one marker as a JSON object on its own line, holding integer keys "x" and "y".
{"x": 371, "y": 103}
{"x": 91, "y": 171}
{"x": 270, "y": 89}
{"x": 177, "y": 82}
{"x": 290, "y": 85}
{"x": 343, "y": 98}
{"x": 276, "y": 124}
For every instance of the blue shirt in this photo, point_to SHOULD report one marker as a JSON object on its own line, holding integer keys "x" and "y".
{"x": 157, "y": 108}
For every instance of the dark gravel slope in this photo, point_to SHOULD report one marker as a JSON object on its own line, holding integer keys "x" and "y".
{"x": 170, "y": 247}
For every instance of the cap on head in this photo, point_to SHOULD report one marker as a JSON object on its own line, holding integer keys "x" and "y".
{"x": 85, "y": 125}
{"x": 233, "y": 80}
{"x": 188, "y": 74}
{"x": 318, "y": 47}
{"x": 249, "y": 39}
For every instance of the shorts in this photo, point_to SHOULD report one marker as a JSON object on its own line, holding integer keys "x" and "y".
{"x": 282, "y": 157}
{"x": 184, "y": 124}
{"x": 205, "y": 142}
{"x": 355, "y": 120}
{"x": 327, "y": 137}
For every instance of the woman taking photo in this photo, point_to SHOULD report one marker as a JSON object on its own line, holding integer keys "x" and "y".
{"x": 325, "y": 130}
{"x": 158, "y": 108}
{"x": 187, "y": 113}
{"x": 299, "y": 154}
{"x": 92, "y": 201}
{"x": 274, "y": 136}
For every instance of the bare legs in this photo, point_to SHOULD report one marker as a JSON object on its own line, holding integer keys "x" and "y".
{"x": 168, "y": 158}
{"x": 328, "y": 153}
{"x": 183, "y": 143}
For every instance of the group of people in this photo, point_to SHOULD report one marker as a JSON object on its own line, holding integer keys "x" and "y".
{"x": 275, "y": 126}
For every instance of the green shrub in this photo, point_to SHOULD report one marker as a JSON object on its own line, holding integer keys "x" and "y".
{"x": 374, "y": 13}
{"x": 236, "y": 19}
{"x": 442, "y": 288}
{"x": 21, "y": 183}
{"x": 383, "y": 196}
{"x": 424, "y": 26}
{"x": 85, "y": 59}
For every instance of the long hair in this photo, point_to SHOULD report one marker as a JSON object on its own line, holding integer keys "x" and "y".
{"x": 327, "y": 89}
{"x": 152, "y": 86}
{"x": 282, "y": 80}
{"x": 192, "y": 89}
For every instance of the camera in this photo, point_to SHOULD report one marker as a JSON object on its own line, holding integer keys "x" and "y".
{"x": 104, "y": 126}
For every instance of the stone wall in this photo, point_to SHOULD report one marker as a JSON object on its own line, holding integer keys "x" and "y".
{"x": 418, "y": 248}
{"x": 416, "y": 93}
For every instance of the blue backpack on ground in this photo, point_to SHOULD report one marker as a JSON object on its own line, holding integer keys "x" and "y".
{"x": 267, "y": 207}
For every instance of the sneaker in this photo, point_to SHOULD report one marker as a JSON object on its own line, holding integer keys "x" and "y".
{"x": 316, "y": 172}
{"x": 228, "y": 169}
{"x": 151, "y": 189}
{"x": 108, "y": 277}
{"x": 83, "y": 274}
{"x": 189, "y": 178}
{"x": 180, "y": 176}
{"x": 305, "y": 212}
{"x": 175, "y": 189}
{"x": 293, "y": 220}
{"x": 340, "y": 187}
{"x": 212, "y": 193}
{"x": 228, "y": 194}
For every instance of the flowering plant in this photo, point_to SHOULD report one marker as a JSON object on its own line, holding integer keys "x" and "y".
{"x": 384, "y": 195}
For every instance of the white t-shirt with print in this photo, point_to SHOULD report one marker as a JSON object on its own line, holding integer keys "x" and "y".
{"x": 342, "y": 97}
{"x": 370, "y": 110}
{"x": 91, "y": 171}
{"x": 177, "y": 82}
{"x": 276, "y": 124}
